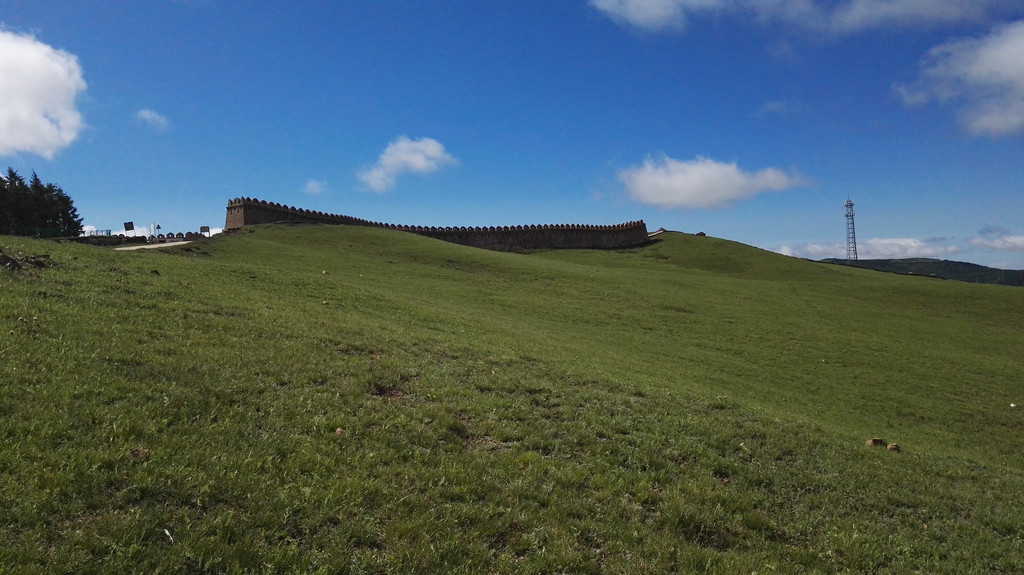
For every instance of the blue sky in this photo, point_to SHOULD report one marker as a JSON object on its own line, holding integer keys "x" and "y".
{"x": 748, "y": 120}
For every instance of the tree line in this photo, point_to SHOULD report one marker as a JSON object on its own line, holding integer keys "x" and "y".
{"x": 36, "y": 209}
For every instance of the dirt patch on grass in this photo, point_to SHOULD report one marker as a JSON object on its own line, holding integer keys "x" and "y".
{"x": 19, "y": 262}
{"x": 380, "y": 389}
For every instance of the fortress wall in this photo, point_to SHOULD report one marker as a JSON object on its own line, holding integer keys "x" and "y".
{"x": 242, "y": 211}
{"x": 250, "y": 211}
{"x": 540, "y": 237}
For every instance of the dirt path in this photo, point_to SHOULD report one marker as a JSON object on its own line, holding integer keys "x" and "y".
{"x": 151, "y": 246}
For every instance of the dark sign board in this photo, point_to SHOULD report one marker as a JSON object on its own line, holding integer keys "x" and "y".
{"x": 204, "y": 229}
{"x": 129, "y": 226}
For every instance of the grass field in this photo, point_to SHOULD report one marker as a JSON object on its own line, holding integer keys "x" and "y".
{"x": 314, "y": 399}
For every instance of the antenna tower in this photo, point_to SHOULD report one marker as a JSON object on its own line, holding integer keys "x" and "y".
{"x": 851, "y": 234}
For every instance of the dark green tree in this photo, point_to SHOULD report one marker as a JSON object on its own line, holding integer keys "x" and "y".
{"x": 35, "y": 208}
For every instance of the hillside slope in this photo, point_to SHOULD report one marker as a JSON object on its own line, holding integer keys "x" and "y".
{"x": 943, "y": 269}
{"x": 352, "y": 400}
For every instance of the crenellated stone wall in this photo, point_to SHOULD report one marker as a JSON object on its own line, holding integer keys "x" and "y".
{"x": 250, "y": 211}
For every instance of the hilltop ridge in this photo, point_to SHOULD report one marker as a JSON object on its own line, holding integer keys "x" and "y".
{"x": 351, "y": 399}
{"x": 938, "y": 268}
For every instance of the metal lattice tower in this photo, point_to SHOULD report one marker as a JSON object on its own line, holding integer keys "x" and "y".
{"x": 851, "y": 234}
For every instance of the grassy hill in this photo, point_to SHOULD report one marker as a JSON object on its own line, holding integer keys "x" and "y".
{"x": 942, "y": 269}
{"x": 351, "y": 400}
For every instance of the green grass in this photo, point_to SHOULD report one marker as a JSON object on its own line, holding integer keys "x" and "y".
{"x": 350, "y": 400}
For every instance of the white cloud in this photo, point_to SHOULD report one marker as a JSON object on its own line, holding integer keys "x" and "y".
{"x": 784, "y": 51}
{"x": 989, "y": 238}
{"x": 986, "y": 75}
{"x": 874, "y": 248}
{"x": 38, "y": 88}
{"x": 896, "y": 248}
{"x": 858, "y": 15}
{"x": 999, "y": 239}
{"x": 778, "y": 108}
{"x": 402, "y": 155}
{"x": 1003, "y": 244}
{"x": 654, "y": 14}
{"x": 845, "y": 17}
{"x": 154, "y": 119}
{"x": 315, "y": 187}
{"x": 813, "y": 251}
{"x": 700, "y": 183}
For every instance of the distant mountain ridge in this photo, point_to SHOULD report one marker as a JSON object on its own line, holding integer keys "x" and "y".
{"x": 943, "y": 269}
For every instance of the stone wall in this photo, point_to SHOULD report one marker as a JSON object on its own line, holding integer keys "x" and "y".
{"x": 250, "y": 211}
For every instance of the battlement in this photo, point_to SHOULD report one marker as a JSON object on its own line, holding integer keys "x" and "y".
{"x": 250, "y": 211}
